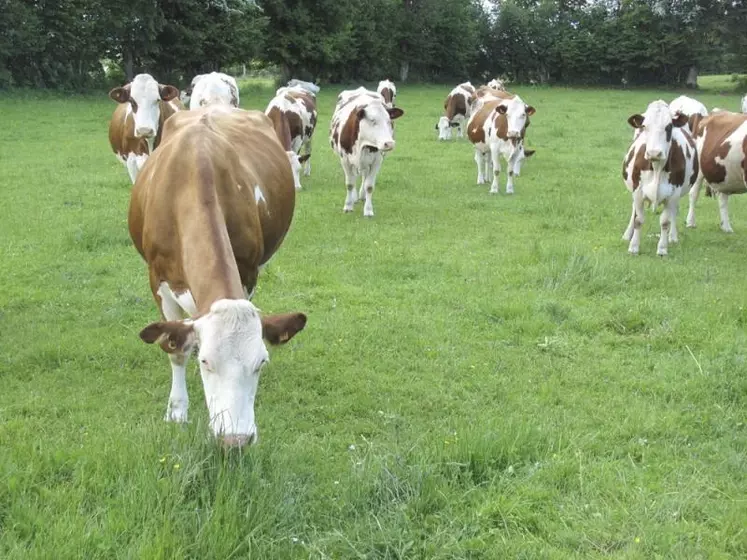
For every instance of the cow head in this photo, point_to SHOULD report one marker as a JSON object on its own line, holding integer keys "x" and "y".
{"x": 375, "y": 125}
{"x": 144, "y": 95}
{"x": 655, "y": 129}
{"x": 388, "y": 91}
{"x": 521, "y": 155}
{"x": 516, "y": 112}
{"x": 186, "y": 95}
{"x": 231, "y": 355}
{"x": 498, "y": 84}
{"x": 444, "y": 128}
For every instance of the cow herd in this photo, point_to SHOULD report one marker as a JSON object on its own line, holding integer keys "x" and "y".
{"x": 214, "y": 195}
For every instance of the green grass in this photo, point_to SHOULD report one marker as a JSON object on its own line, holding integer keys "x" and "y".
{"x": 481, "y": 376}
{"x": 723, "y": 83}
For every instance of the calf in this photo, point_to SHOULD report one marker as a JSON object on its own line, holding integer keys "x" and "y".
{"x": 360, "y": 133}
{"x": 212, "y": 205}
{"x": 388, "y": 91}
{"x": 722, "y": 148}
{"x": 660, "y": 166}
{"x": 215, "y": 88}
{"x": 497, "y": 127}
{"x": 136, "y": 125}
{"x": 293, "y": 115}
{"x": 457, "y": 107}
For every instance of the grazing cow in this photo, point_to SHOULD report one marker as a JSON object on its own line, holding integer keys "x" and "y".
{"x": 497, "y": 127}
{"x": 457, "y": 107}
{"x": 388, "y": 91}
{"x": 360, "y": 134}
{"x": 722, "y": 148}
{"x": 293, "y": 115}
{"x": 212, "y": 205}
{"x": 660, "y": 166}
{"x": 137, "y": 122}
{"x": 215, "y": 88}
{"x": 497, "y": 83}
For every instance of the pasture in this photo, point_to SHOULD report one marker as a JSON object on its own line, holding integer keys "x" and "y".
{"x": 481, "y": 376}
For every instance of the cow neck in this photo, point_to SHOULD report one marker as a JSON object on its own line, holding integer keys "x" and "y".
{"x": 207, "y": 256}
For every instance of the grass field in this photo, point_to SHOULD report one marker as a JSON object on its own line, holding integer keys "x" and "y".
{"x": 481, "y": 376}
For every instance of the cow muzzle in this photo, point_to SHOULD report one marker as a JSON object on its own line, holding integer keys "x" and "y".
{"x": 387, "y": 146}
{"x": 654, "y": 154}
{"x": 145, "y": 132}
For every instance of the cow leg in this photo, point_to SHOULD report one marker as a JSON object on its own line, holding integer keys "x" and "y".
{"x": 674, "y": 210}
{"x": 665, "y": 221}
{"x": 369, "y": 183}
{"x": 723, "y": 208}
{"x": 178, "y": 405}
{"x": 351, "y": 177}
{"x": 628, "y": 233}
{"x": 495, "y": 160}
{"x": 694, "y": 194}
{"x": 480, "y": 161}
{"x": 307, "y": 150}
{"x": 635, "y": 239}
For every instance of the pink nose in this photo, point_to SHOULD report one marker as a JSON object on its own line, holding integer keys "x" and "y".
{"x": 387, "y": 146}
{"x": 144, "y": 132}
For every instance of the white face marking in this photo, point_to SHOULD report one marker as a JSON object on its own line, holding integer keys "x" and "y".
{"x": 376, "y": 127}
{"x": 231, "y": 356}
{"x": 444, "y": 129}
{"x": 258, "y": 195}
{"x": 656, "y": 119}
{"x": 516, "y": 114}
{"x": 147, "y": 111}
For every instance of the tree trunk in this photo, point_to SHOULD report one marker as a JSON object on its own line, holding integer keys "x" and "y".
{"x": 128, "y": 64}
{"x": 692, "y": 77}
{"x": 404, "y": 70}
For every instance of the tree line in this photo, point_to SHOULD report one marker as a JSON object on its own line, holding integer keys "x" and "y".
{"x": 78, "y": 44}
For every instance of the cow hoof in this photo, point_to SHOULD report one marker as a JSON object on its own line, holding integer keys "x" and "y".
{"x": 691, "y": 225}
{"x": 509, "y": 192}
{"x": 368, "y": 214}
{"x": 727, "y": 229}
{"x": 177, "y": 415}
{"x": 493, "y": 191}
{"x": 633, "y": 251}
{"x": 347, "y": 210}
{"x": 662, "y": 252}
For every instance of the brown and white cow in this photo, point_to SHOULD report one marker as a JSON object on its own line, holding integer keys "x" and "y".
{"x": 211, "y": 206}
{"x": 496, "y": 128}
{"x": 215, "y": 88}
{"x": 388, "y": 91}
{"x": 457, "y": 110}
{"x": 136, "y": 125}
{"x": 293, "y": 115}
{"x": 722, "y": 148}
{"x": 360, "y": 134}
{"x": 497, "y": 83}
{"x": 660, "y": 167}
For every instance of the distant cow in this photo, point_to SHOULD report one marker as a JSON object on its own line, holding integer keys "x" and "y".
{"x": 497, "y": 127}
{"x": 722, "y": 148}
{"x": 360, "y": 133}
{"x": 497, "y": 83}
{"x": 457, "y": 111}
{"x": 136, "y": 125}
{"x": 210, "y": 206}
{"x": 215, "y": 88}
{"x": 661, "y": 166}
{"x": 308, "y": 86}
{"x": 388, "y": 91}
{"x": 293, "y": 115}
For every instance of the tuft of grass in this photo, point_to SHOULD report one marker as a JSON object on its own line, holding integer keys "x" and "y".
{"x": 481, "y": 376}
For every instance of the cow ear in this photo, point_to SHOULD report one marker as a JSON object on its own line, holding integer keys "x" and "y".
{"x": 529, "y": 153}
{"x": 279, "y": 329}
{"x": 120, "y": 94}
{"x": 361, "y": 113}
{"x": 168, "y": 93}
{"x": 303, "y": 158}
{"x": 636, "y": 121}
{"x": 174, "y": 337}
{"x": 679, "y": 120}
{"x": 530, "y": 110}
{"x": 501, "y": 109}
{"x": 395, "y": 112}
